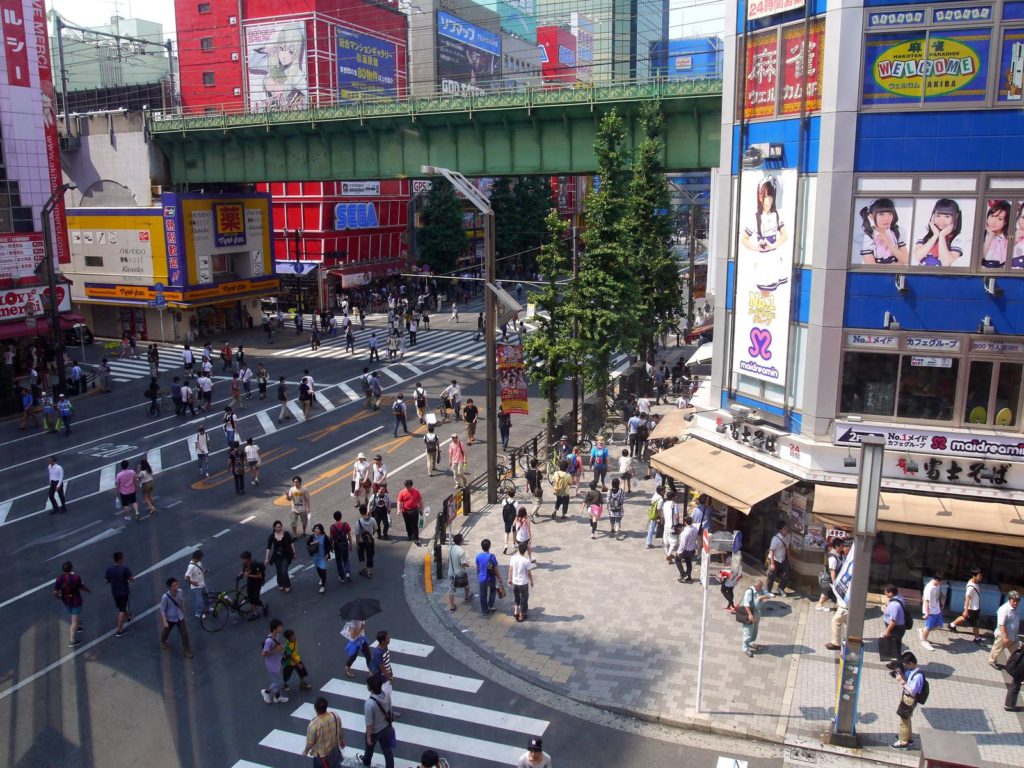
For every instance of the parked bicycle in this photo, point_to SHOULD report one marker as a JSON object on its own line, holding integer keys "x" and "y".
{"x": 162, "y": 404}
{"x": 218, "y": 608}
{"x": 506, "y": 482}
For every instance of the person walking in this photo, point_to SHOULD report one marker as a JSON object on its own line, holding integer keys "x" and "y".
{"x": 432, "y": 447}
{"x": 366, "y": 527}
{"x": 654, "y": 515}
{"x": 560, "y": 483}
{"x": 118, "y": 576}
{"x": 280, "y": 552}
{"x": 172, "y": 616}
{"x": 931, "y": 609}
{"x": 626, "y": 471}
{"x": 778, "y": 560}
{"x": 354, "y": 633}
{"x": 341, "y": 544}
{"x": 68, "y": 588}
{"x": 236, "y": 392}
{"x": 535, "y": 756}
{"x": 262, "y": 379}
{"x": 282, "y": 398}
{"x": 372, "y": 344}
{"x": 687, "y": 550}
{"x": 302, "y": 505}
{"x": 534, "y": 484}
{"x": 188, "y": 399}
{"x": 470, "y": 413}
{"x": 325, "y": 738}
{"x": 230, "y": 426}
{"x": 255, "y": 576}
{"x": 454, "y": 316}
{"x": 188, "y": 360}
{"x": 829, "y": 574}
{"x": 361, "y": 482}
{"x": 376, "y": 390}
{"x": 616, "y": 501}
{"x": 202, "y": 446}
{"x": 1007, "y": 629}
{"x": 380, "y": 661}
{"x": 56, "y": 474}
{"x": 971, "y": 614}
{"x": 205, "y": 386}
{"x": 914, "y": 685}
{"x": 350, "y": 339}
{"x": 125, "y": 481}
{"x": 520, "y": 578}
{"x": 305, "y": 398}
{"x": 65, "y": 413}
{"x": 103, "y": 372}
{"x": 410, "y": 504}
{"x": 144, "y": 477}
{"x": 479, "y": 327}
{"x": 1015, "y": 669}
{"x": 400, "y": 412}
{"x": 593, "y": 507}
{"x": 486, "y": 576}
{"x": 49, "y": 410}
{"x": 504, "y": 426}
{"x": 751, "y": 604}
{"x": 320, "y": 550}
{"x": 273, "y": 660}
{"x": 253, "y": 460}
{"x": 236, "y": 466}
{"x": 195, "y": 578}
{"x": 457, "y": 461}
{"x": 378, "y": 716}
{"x": 599, "y": 463}
{"x": 894, "y": 616}
{"x": 458, "y": 576}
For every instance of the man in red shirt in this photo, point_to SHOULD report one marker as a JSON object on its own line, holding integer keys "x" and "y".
{"x": 410, "y": 502}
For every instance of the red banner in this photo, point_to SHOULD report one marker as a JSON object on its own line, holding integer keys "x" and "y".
{"x": 512, "y": 378}
{"x": 762, "y": 74}
{"x": 802, "y": 65}
{"x": 15, "y": 42}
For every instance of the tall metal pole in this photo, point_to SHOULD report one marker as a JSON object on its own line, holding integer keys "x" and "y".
{"x": 689, "y": 277}
{"x": 58, "y": 28}
{"x": 869, "y": 484}
{"x": 51, "y": 278}
{"x": 490, "y": 322}
{"x": 170, "y": 69}
{"x": 576, "y": 431}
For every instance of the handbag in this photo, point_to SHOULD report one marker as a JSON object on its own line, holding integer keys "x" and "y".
{"x": 741, "y": 616}
{"x": 905, "y": 709}
{"x": 461, "y": 580}
{"x": 888, "y": 648}
{"x": 596, "y": 510}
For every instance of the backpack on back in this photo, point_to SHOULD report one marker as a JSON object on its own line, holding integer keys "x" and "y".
{"x": 396, "y": 408}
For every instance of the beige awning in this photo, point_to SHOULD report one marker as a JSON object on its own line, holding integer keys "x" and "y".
{"x": 942, "y": 517}
{"x": 731, "y": 479}
{"x": 672, "y": 424}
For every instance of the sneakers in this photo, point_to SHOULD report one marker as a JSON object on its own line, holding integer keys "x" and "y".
{"x": 321, "y": 590}
{"x": 952, "y": 627}
{"x": 469, "y": 597}
{"x": 900, "y": 745}
{"x": 304, "y": 686}
{"x": 266, "y": 695}
{"x": 821, "y": 608}
{"x": 75, "y": 643}
{"x": 121, "y": 633}
{"x": 832, "y": 646}
{"x": 927, "y": 646}
{"x": 281, "y": 700}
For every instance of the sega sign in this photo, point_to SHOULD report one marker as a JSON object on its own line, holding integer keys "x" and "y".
{"x": 355, "y": 216}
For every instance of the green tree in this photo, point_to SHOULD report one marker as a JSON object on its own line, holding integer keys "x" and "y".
{"x": 442, "y": 240}
{"x": 605, "y": 294}
{"x": 507, "y": 223}
{"x": 648, "y": 232}
{"x": 521, "y": 206}
{"x": 552, "y": 342}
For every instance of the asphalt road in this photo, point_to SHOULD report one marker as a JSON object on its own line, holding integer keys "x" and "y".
{"x": 122, "y": 702}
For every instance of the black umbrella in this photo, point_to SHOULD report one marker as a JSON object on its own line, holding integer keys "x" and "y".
{"x": 361, "y": 609}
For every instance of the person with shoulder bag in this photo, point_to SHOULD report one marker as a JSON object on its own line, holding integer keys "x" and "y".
{"x": 827, "y": 576}
{"x": 325, "y": 738}
{"x": 533, "y": 483}
{"x": 915, "y": 692}
{"x": 431, "y": 444}
{"x": 379, "y": 718}
{"x": 458, "y": 577}
{"x": 749, "y": 615}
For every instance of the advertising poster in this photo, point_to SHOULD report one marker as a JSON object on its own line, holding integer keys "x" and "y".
{"x": 20, "y": 255}
{"x": 228, "y": 224}
{"x": 1017, "y": 238}
{"x": 123, "y": 250}
{"x": 943, "y": 233}
{"x": 512, "y": 378}
{"x": 802, "y": 66}
{"x": 558, "y": 54}
{"x": 762, "y": 75}
{"x": 998, "y": 234}
{"x": 947, "y": 68}
{"x": 275, "y": 60}
{"x": 367, "y": 65}
{"x": 882, "y": 231}
{"x": 758, "y": 9}
{"x": 468, "y": 56}
{"x": 764, "y": 266}
{"x": 1010, "y": 83}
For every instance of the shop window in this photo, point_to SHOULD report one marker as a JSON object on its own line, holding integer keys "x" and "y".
{"x": 927, "y": 387}
{"x": 869, "y": 383}
{"x": 993, "y": 394}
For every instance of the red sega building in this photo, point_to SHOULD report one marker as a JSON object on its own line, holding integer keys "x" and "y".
{"x": 558, "y": 54}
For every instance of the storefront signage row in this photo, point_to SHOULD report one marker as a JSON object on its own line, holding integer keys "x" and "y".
{"x": 933, "y": 441}
{"x": 758, "y": 9}
{"x": 955, "y": 471}
{"x": 15, "y": 303}
{"x": 141, "y": 294}
{"x": 946, "y": 15}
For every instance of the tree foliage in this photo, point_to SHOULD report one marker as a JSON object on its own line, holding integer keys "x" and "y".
{"x": 441, "y": 240}
{"x": 521, "y": 205}
{"x": 553, "y": 342}
{"x": 648, "y": 235}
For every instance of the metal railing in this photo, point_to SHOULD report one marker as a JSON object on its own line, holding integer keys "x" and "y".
{"x": 236, "y": 115}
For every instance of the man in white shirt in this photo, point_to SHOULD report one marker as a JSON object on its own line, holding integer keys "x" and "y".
{"x": 205, "y": 385}
{"x": 931, "y": 608}
{"x": 778, "y": 556}
{"x": 246, "y": 376}
{"x": 361, "y": 479}
{"x": 670, "y": 537}
{"x": 643, "y": 407}
{"x": 1007, "y": 629}
{"x": 56, "y": 487}
{"x": 188, "y": 399}
{"x": 454, "y": 394}
{"x": 195, "y": 578}
{"x": 520, "y": 578}
{"x": 187, "y": 359}
{"x": 688, "y": 542}
{"x": 971, "y": 614}
{"x": 378, "y": 474}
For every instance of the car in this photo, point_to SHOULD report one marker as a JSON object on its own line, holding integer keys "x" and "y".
{"x": 77, "y": 334}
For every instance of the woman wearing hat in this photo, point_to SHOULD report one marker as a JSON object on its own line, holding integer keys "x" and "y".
{"x": 535, "y": 756}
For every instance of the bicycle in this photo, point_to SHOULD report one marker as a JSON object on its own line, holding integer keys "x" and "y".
{"x": 218, "y": 608}
{"x": 442, "y": 410}
{"x": 506, "y": 482}
{"x": 162, "y": 404}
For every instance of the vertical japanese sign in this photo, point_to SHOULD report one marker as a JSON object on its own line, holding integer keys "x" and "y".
{"x": 1010, "y": 83}
{"x": 512, "y": 378}
{"x": 802, "y": 67}
{"x": 762, "y": 74}
{"x": 174, "y": 237}
{"x": 764, "y": 265}
{"x": 15, "y": 44}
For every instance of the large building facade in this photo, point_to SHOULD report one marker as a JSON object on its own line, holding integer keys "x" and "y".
{"x": 870, "y": 281}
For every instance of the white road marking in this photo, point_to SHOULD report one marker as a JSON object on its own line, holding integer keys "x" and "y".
{"x": 193, "y": 453}
{"x": 296, "y": 410}
{"x": 392, "y": 375}
{"x": 269, "y": 427}
{"x": 413, "y": 368}
{"x": 338, "y": 447}
{"x": 245, "y": 520}
{"x": 179, "y": 555}
{"x": 324, "y": 402}
{"x": 349, "y": 392}
{"x": 465, "y": 713}
{"x": 249, "y": 764}
{"x": 408, "y": 648}
{"x": 221, "y": 533}
{"x": 107, "y": 475}
{"x": 88, "y": 542}
{"x": 430, "y": 677}
{"x": 5, "y": 509}
{"x": 294, "y": 743}
{"x": 155, "y": 460}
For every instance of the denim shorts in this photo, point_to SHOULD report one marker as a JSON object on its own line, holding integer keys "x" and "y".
{"x": 933, "y": 621}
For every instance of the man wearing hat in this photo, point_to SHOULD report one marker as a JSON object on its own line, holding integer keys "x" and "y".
{"x": 535, "y": 756}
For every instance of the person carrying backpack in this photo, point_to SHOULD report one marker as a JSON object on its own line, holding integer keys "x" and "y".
{"x": 915, "y": 692}
{"x": 398, "y": 409}
{"x": 1015, "y": 669}
{"x": 508, "y": 517}
{"x": 380, "y": 507}
{"x": 896, "y": 618}
{"x": 341, "y": 544}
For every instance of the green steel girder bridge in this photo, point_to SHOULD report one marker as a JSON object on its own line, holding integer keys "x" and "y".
{"x": 547, "y": 131}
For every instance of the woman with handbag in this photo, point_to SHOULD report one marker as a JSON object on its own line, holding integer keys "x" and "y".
{"x": 354, "y": 632}
{"x": 320, "y": 550}
{"x": 593, "y": 505}
{"x": 458, "y": 577}
{"x": 144, "y": 479}
{"x": 280, "y": 552}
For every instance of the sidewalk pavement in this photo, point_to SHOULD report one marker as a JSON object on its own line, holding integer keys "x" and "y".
{"x": 611, "y": 626}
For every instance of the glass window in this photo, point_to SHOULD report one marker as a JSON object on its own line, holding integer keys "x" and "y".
{"x": 206, "y": 43}
{"x": 204, "y": 7}
{"x": 993, "y": 394}
{"x": 208, "y": 78}
{"x": 927, "y": 387}
{"x": 869, "y": 383}
{"x": 979, "y": 383}
{"x": 1007, "y": 395}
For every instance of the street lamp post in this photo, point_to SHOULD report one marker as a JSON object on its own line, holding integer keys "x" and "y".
{"x": 869, "y": 483}
{"x": 53, "y": 307}
{"x": 483, "y": 205}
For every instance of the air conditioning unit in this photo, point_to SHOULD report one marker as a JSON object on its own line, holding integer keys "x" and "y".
{"x": 232, "y": 20}
{"x": 234, "y": 55}
{"x": 237, "y": 91}
{"x": 155, "y": 191}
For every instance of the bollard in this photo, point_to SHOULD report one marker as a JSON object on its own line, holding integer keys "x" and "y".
{"x": 439, "y": 562}
{"x": 428, "y": 583}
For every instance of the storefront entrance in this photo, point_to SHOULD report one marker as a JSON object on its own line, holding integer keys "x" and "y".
{"x": 133, "y": 322}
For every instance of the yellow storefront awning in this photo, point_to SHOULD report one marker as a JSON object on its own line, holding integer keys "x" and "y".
{"x": 672, "y": 424}
{"x": 731, "y": 479}
{"x": 941, "y": 517}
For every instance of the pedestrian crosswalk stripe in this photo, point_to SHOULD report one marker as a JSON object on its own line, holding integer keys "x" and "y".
{"x": 107, "y": 475}
{"x": 324, "y": 402}
{"x": 444, "y": 742}
{"x": 429, "y": 677}
{"x": 408, "y": 648}
{"x": 348, "y": 392}
{"x": 269, "y": 427}
{"x": 391, "y": 374}
{"x": 465, "y": 713}
{"x": 296, "y": 409}
{"x": 249, "y": 764}
{"x": 154, "y": 458}
{"x": 294, "y": 743}
{"x": 414, "y": 369}
{"x": 192, "y": 452}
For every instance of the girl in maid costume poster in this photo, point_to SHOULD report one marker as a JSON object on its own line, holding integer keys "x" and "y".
{"x": 764, "y": 234}
{"x": 997, "y": 229}
{"x": 1017, "y": 262}
{"x": 946, "y": 228}
{"x": 883, "y": 239}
